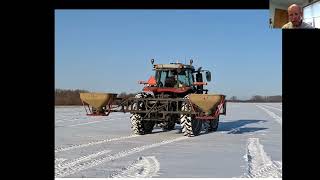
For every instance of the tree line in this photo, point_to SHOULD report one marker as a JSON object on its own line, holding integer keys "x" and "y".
{"x": 257, "y": 98}
{"x": 67, "y": 97}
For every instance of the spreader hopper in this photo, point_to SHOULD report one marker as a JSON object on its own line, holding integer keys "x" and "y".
{"x": 97, "y": 100}
{"x": 207, "y": 102}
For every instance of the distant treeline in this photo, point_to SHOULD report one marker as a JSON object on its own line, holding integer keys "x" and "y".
{"x": 72, "y": 97}
{"x": 68, "y": 97}
{"x": 257, "y": 98}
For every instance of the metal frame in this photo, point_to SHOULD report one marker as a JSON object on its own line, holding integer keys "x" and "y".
{"x": 157, "y": 109}
{"x": 96, "y": 114}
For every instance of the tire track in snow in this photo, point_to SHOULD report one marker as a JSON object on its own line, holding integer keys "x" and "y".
{"x": 277, "y": 118}
{"x": 78, "y": 119}
{"x": 270, "y": 171}
{"x": 60, "y": 166}
{"x": 259, "y": 164}
{"x": 86, "y": 165}
{"x": 234, "y": 130}
{"x": 271, "y": 107}
{"x": 73, "y": 125}
{"x": 59, "y": 160}
{"x": 92, "y": 122}
{"x": 93, "y": 143}
{"x": 144, "y": 167}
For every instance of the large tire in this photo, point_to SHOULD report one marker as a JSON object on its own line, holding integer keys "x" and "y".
{"x": 189, "y": 125}
{"x": 167, "y": 126}
{"x": 136, "y": 124}
{"x": 148, "y": 126}
{"x": 213, "y": 125}
{"x": 139, "y": 126}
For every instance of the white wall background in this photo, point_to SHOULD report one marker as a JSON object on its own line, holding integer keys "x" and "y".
{"x": 311, "y": 14}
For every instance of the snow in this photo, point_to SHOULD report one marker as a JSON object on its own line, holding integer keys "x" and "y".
{"x": 277, "y": 118}
{"x": 259, "y": 163}
{"x": 248, "y": 143}
{"x": 144, "y": 167}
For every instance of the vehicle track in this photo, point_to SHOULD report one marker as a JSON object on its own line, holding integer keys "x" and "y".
{"x": 144, "y": 167}
{"x": 88, "y": 118}
{"x": 93, "y": 143}
{"x": 62, "y": 165}
{"x": 91, "y": 122}
{"x": 271, "y": 107}
{"x": 260, "y": 164}
{"x": 77, "y": 167}
{"x": 276, "y": 117}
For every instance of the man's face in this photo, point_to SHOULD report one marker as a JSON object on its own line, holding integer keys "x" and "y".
{"x": 295, "y": 15}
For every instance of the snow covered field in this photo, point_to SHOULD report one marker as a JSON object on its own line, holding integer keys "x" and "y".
{"x": 248, "y": 144}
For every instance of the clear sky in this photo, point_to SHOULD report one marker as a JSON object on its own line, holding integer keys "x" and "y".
{"x": 110, "y": 50}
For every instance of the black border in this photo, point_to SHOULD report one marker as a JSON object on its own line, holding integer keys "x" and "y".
{"x": 162, "y": 4}
{"x": 42, "y": 72}
{"x": 300, "y": 80}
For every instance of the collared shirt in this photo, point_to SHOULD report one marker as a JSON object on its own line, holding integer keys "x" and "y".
{"x": 303, "y": 25}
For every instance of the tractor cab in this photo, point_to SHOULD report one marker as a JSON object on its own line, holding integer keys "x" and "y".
{"x": 177, "y": 78}
{"x": 174, "y": 78}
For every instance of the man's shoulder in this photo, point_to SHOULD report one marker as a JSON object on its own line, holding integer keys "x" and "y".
{"x": 287, "y": 26}
{"x": 306, "y": 26}
{"x": 303, "y": 25}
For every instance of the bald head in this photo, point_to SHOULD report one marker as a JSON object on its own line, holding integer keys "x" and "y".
{"x": 295, "y": 14}
{"x": 294, "y": 7}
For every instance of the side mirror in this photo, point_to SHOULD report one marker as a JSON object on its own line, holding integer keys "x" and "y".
{"x": 208, "y": 76}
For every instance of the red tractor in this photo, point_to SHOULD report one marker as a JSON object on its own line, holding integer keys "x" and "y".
{"x": 175, "y": 94}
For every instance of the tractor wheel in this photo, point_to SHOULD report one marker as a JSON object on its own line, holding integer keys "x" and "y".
{"x": 213, "y": 125}
{"x": 190, "y": 126}
{"x": 167, "y": 126}
{"x": 139, "y": 126}
{"x": 148, "y": 126}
